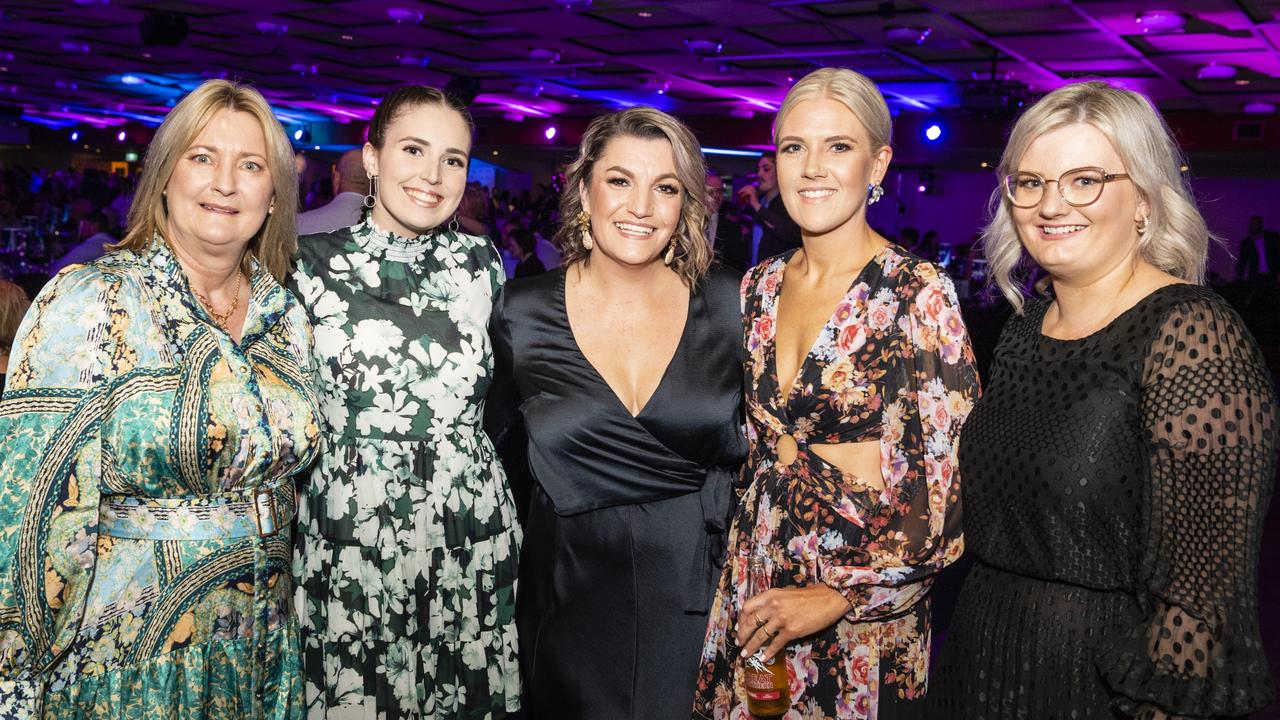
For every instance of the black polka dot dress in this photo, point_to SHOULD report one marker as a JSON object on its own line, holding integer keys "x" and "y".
{"x": 1115, "y": 488}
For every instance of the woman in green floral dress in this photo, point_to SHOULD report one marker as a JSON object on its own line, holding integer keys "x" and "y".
{"x": 408, "y": 540}
{"x": 159, "y": 405}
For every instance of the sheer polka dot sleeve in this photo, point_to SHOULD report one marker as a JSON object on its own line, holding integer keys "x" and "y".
{"x": 1209, "y": 417}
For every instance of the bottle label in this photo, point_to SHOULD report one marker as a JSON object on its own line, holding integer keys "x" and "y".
{"x": 758, "y": 681}
{"x": 764, "y": 695}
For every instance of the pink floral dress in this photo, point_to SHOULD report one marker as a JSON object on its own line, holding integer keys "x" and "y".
{"x": 892, "y": 365}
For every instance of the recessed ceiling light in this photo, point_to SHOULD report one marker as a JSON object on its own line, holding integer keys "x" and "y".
{"x": 704, "y": 46}
{"x": 1161, "y": 21}
{"x": 548, "y": 55}
{"x": 1242, "y": 81}
{"x": 348, "y": 37}
{"x": 907, "y": 34}
{"x": 1214, "y": 71}
{"x": 644, "y": 14}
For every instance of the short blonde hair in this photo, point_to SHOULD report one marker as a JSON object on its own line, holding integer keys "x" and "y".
{"x": 13, "y": 306}
{"x": 851, "y": 89}
{"x": 1176, "y": 240}
{"x": 274, "y": 244}
{"x": 693, "y": 257}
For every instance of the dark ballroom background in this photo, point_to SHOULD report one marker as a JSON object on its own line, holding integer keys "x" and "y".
{"x": 84, "y": 83}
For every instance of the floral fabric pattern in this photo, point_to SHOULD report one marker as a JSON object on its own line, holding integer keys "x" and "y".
{"x": 408, "y": 540}
{"x": 893, "y": 365}
{"x": 131, "y": 435}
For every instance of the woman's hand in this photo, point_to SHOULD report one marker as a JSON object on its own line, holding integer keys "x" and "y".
{"x": 775, "y": 617}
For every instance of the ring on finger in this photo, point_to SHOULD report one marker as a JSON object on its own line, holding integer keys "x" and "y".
{"x": 771, "y": 635}
{"x": 759, "y": 623}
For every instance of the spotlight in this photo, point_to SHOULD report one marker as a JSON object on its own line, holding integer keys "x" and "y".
{"x": 120, "y": 136}
{"x": 921, "y": 188}
{"x": 933, "y": 132}
{"x": 302, "y": 135}
{"x": 75, "y": 135}
{"x": 131, "y": 80}
{"x": 550, "y": 132}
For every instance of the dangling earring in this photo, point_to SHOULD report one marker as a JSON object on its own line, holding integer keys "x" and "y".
{"x": 670, "y": 257}
{"x": 874, "y": 192}
{"x": 271, "y": 208}
{"x": 372, "y": 198}
{"x": 584, "y": 226}
{"x": 453, "y": 224}
{"x": 1142, "y": 226}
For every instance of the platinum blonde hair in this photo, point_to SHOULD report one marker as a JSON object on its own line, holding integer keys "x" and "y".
{"x": 693, "y": 256}
{"x": 851, "y": 89}
{"x": 1176, "y": 240}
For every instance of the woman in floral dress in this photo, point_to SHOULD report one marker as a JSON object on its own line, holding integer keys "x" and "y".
{"x": 160, "y": 402}
{"x": 853, "y": 418}
{"x": 408, "y": 539}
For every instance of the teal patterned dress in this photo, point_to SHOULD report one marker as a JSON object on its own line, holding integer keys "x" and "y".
{"x": 146, "y": 490}
{"x": 407, "y": 543}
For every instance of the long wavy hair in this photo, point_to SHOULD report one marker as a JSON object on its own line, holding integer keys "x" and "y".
{"x": 275, "y": 242}
{"x": 693, "y": 255}
{"x": 1176, "y": 240}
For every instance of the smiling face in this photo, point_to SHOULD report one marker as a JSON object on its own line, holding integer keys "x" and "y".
{"x": 220, "y": 189}
{"x": 634, "y": 199}
{"x": 421, "y": 169}
{"x": 1078, "y": 243}
{"x": 824, "y": 165}
{"x": 766, "y": 175}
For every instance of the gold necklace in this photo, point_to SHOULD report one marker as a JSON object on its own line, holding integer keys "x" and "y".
{"x": 222, "y": 318}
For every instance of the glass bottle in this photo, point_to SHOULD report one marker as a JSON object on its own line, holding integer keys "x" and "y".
{"x": 764, "y": 681}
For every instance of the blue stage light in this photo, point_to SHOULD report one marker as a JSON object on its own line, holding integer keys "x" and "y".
{"x": 933, "y": 132}
{"x": 75, "y": 135}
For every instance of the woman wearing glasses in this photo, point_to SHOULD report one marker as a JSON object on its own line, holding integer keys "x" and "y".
{"x": 1118, "y": 468}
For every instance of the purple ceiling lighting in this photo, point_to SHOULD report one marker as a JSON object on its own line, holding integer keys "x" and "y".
{"x": 325, "y": 61}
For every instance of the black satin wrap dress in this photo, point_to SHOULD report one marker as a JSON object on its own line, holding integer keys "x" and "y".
{"x": 626, "y": 516}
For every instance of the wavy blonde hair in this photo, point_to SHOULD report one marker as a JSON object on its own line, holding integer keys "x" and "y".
{"x": 1176, "y": 240}
{"x": 693, "y": 256}
{"x": 851, "y": 89}
{"x": 275, "y": 242}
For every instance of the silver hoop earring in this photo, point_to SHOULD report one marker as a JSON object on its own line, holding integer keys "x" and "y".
{"x": 875, "y": 191}
{"x": 372, "y": 198}
{"x": 453, "y": 224}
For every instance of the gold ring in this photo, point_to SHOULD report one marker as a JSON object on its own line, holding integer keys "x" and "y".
{"x": 771, "y": 635}
{"x": 759, "y": 623}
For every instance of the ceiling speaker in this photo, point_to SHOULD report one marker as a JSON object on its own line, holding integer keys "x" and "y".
{"x": 159, "y": 27}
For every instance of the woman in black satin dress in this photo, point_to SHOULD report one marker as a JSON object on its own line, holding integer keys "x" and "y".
{"x": 626, "y": 368}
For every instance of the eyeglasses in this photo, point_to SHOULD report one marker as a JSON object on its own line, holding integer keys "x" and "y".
{"x": 1079, "y": 187}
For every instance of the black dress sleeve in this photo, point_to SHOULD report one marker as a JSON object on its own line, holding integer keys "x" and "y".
{"x": 502, "y": 419}
{"x": 1208, "y": 413}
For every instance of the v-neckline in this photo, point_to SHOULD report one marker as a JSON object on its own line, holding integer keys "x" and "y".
{"x": 666, "y": 371}
{"x": 772, "y": 312}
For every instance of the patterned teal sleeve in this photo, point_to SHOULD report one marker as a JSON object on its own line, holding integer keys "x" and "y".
{"x": 49, "y": 454}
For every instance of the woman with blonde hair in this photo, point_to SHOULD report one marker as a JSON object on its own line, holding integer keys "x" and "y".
{"x": 859, "y": 375}
{"x": 625, "y": 366}
{"x": 13, "y": 305}
{"x": 1118, "y": 470}
{"x": 159, "y": 405}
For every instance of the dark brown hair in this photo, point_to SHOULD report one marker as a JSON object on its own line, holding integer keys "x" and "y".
{"x": 407, "y": 98}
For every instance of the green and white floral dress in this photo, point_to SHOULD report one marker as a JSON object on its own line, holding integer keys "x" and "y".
{"x": 407, "y": 535}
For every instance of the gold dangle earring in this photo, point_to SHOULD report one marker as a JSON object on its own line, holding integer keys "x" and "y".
{"x": 670, "y": 257}
{"x": 584, "y": 226}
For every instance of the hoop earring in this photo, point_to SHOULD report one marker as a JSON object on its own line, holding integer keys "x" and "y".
{"x": 372, "y": 198}
{"x": 584, "y": 226}
{"x": 670, "y": 257}
{"x": 875, "y": 191}
{"x": 1144, "y": 225}
{"x": 453, "y": 224}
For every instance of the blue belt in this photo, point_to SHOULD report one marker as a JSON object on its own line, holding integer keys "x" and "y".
{"x": 260, "y": 511}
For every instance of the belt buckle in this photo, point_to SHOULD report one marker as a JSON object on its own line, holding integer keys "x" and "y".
{"x": 264, "y": 506}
